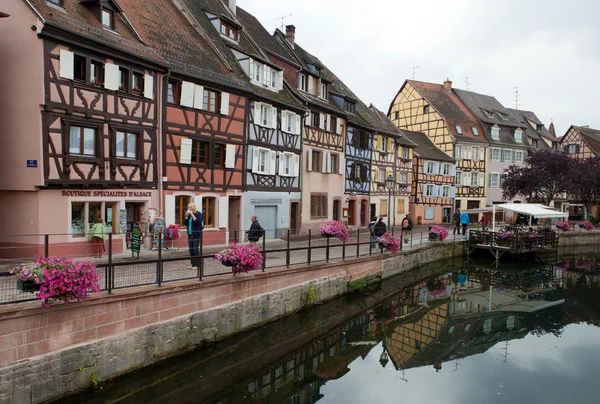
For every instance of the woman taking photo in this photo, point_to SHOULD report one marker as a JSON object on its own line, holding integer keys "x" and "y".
{"x": 194, "y": 223}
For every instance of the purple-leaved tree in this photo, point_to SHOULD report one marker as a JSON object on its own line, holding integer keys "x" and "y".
{"x": 584, "y": 184}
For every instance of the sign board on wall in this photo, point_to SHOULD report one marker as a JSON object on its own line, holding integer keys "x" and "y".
{"x": 32, "y": 163}
{"x": 122, "y": 221}
{"x": 136, "y": 240}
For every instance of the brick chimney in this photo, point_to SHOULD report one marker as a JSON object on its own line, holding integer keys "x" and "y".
{"x": 290, "y": 34}
{"x": 233, "y": 6}
{"x": 448, "y": 85}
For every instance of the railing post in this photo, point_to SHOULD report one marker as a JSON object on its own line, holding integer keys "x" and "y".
{"x": 158, "y": 263}
{"x": 327, "y": 251}
{"x": 264, "y": 234}
{"x": 421, "y": 241}
{"x": 358, "y": 243}
{"x": 110, "y": 276}
{"x": 343, "y": 249}
{"x": 201, "y": 262}
{"x": 287, "y": 253}
{"x": 412, "y": 238}
{"x": 309, "y": 246}
{"x": 370, "y": 242}
{"x": 401, "y": 238}
{"x": 46, "y": 245}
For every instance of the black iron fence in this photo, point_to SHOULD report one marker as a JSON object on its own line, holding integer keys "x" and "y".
{"x": 161, "y": 261}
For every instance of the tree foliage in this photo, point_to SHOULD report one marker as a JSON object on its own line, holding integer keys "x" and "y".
{"x": 584, "y": 184}
{"x": 546, "y": 175}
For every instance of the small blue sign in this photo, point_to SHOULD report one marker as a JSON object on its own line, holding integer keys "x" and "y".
{"x": 31, "y": 163}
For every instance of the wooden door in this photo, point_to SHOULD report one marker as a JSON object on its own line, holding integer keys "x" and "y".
{"x": 294, "y": 218}
{"x": 363, "y": 213}
{"x": 234, "y": 219}
{"x": 336, "y": 209}
{"x": 351, "y": 212}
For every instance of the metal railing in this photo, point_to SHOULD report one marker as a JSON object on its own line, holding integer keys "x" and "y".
{"x": 165, "y": 261}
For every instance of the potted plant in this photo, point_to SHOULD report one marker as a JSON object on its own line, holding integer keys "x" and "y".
{"x": 564, "y": 226}
{"x": 335, "y": 229}
{"x": 29, "y": 278}
{"x": 504, "y": 238}
{"x": 242, "y": 258}
{"x": 419, "y": 219}
{"x": 388, "y": 242}
{"x": 438, "y": 232}
{"x": 59, "y": 279}
{"x": 586, "y": 225}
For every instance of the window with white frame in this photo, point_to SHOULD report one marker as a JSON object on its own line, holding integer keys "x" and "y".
{"x": 446, "y": 169}
{"x": 82, "y": 141}
{"x": 495, "y": 132}
{"x": 446, "y": 191}
{"x": 474, "y": 153}
{"x": 126, "y": 144}
{"x": 572, "y": 149}
{"x": 263, "y": 161}
{"x": 323, "y": 93}
{"x": 458, "y": 152}
{"x": 383, "y": 144}
{"x": 518, "y": 156}
{"x": 475, "y": 131}
{"x": 429, "y": 167}
{"x": 405, "y": 153}
{"x": 506, "y": 155}
{"x": 256, "y": 73}
{"x": 474, "y": 178}
{"x": 301, "y": 82}
{"x": 381, "y": 175}
{"x": 494, "y": 180}
{"x": 458, "y": 178}
{"x": 495, "y": 154}
{"x": 519, "y": 136}
{"x": 458, "y": 129}
{"x": 428, "y": 190}
{"x": 287, "y": 164}
{"x": 265, "y": 115}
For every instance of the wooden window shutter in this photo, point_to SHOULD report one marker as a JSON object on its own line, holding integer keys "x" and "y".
{"x": 266, "y": 74}
{"x": 338, "y": 128}
{"x": 323, "y": 162}
{"x": 296, "y": 165}
{"x": 298, "y": 124}
{"x": 223, "y": 212}
{"x": 398, "y": 177}
{"x": 230, "y": 156}
{"x": 66, "y": 68}
{"x": 281, "y": 169}
{"x": 310, "y": 84}
{"x": 169, "y": 209}
{"x": 111, "y": 76}
{"x": 481, "y": 154}
{"x": 198, "y": 97}
{"x": 185, "y": 151}
{"x": 280, "y": 80}
{"x": 329, "y": 128}
{"x": 256, "y": 109}
{"x": 224, "y": 103}
{"x": 255, "y": 159}
{"x": 400, "y": 208}
{"x": 341, "y": 164}
{"x": 187, "y": 94}
{"x": 309, "y": 159}
{"x": 148, "y": 86}
{"x": 321, "y": 121}
{"x": 272, "y": 162}
{"x": 274, "y": 117}
{"x": 481, "y": 179}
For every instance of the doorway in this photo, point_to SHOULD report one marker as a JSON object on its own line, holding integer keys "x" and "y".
{"x": 267, "y": 217}
{"x": 235, "y": 204}
{"x": 445, "y": 215}
{"x": 294, "y": 217}
{"x": 351, "y": 212}
{"x": 473, "y": 217}
{"x": 336, "y": 209}
{"x": 363, "y": 213}
{"x": 373, "y": 210}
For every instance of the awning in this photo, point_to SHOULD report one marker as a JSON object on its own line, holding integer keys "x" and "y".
{"x": 532, "y": 209}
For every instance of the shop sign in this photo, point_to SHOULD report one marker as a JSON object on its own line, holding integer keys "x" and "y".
{"x": 104, "y": 194}
{"x": 136, "y": 239}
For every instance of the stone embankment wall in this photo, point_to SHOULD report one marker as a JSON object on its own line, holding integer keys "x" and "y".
{"x": 48, "y": 352}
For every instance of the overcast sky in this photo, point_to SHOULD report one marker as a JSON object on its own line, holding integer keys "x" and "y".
{"x": 549, "y": 49}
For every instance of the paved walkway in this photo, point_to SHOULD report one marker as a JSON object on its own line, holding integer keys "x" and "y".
{"x": 130, "y": 272}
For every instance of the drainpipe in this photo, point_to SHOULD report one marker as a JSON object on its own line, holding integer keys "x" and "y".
{"x": 159, "y": 138}
{"x": 395, "y": 157}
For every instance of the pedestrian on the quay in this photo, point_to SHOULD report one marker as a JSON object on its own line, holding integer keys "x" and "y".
{"x": 194, "y": 222}
{"x": 380, "y": 228}
{"x": 407, "y": 226}
{"x": 483, "y": 222}
{"x": 464, "y": 221}
{"x": 372, "y": 224}
{"x": 98, "y": 237}
{"x": 255, "y": 232}
{"x": 456, "y": 220}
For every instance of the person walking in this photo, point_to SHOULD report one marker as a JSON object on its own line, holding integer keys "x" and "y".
{"x": 464, "y": 221}
{"x": 456, "y": 220}
{"x": 98, "y": 237}
{"x": 483, "y": 222}
{"x": 372, "y": 224}
{"x": 194, "y": 222}
{"x": 407, "y": 226}
{"x": 380, "y": 228}
{"x": 255, "y": 232}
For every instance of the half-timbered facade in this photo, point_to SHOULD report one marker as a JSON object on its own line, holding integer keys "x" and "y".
{"x": 391, "y": 159}
{"x": 581, "y": 142}
{"x": 273, "y": 116}
{"x": 437, "y": 111}
{"x": 203, "y": 121}
{"x": 433, "y": 190}
{"x": 94, "y": 151}
{"x": 508, "y": 142}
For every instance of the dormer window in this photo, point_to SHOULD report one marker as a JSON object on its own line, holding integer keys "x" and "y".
{"x": 350, "y": 107}
{"x": 323, "y": 91}
{"x": 502, "y": 115}
{"x": 495, "y": 132}
{"x": 489, "y": 114}
{"x": 261, "y": 73}
{"x": 301, "y": 82}
{"x": 458, "y": 129}
{"x": 60, "y": 3}
{"x": 519, "y": 136}
{"x": 108, "y": 18}
{"x": 475, "y": 131}
{"x": 229, "y": 31}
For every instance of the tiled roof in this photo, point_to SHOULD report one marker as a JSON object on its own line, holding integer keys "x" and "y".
{"x": 162, "y": 26}
{"x": 478, "y": 103}
{"x": 525, "y": 116}
{"x": 78, "y": 18}
{"x": 391, "y": 128}
{"x": 425, "y": 147}
{"x": 452, "y": 109}
{"x": 196, "y": 11}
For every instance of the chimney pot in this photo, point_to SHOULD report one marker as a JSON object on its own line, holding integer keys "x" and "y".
{"x": 290, "y": 34}
{"x": 448, "y": 85}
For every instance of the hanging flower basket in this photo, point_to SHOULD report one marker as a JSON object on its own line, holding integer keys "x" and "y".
{"x": 335, "y": 229}
{"x": 27, "y": 286}
{"x": 586, "y": 225}
{"x": 440, "y": 232}
{"x": 388, "y": 242}
{"x": 564, "y": 226}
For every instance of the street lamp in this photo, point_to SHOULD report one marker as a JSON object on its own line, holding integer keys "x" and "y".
{"x": 384, "y": 358}
{"x": 390, "y": 184}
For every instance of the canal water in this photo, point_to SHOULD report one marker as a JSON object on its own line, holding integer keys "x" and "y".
{"x": 458, "y": 331}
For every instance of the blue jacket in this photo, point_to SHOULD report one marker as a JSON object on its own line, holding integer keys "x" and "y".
{"x": 464, "y": 218}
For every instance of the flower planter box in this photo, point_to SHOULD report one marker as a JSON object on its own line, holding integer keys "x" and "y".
{"x": 327, "y": 235}
{"x": 382, "y": 246}
{"x": 433, "y": 236}
{"x": 27, "y": 286}
{"x": 227, "y": 263}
